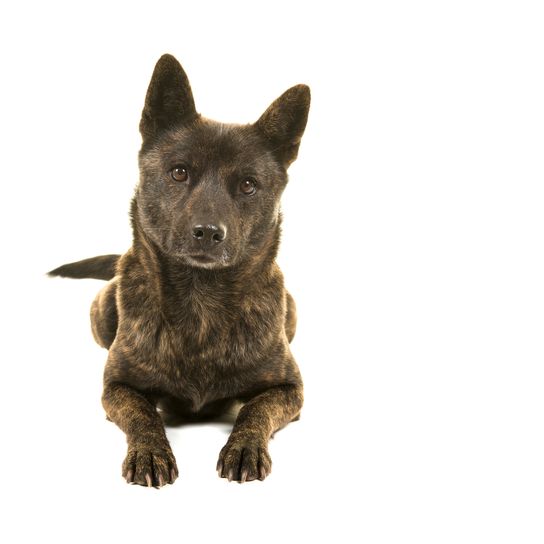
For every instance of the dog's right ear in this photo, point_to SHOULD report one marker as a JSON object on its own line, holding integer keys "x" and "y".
{"x": 169, "y": 100}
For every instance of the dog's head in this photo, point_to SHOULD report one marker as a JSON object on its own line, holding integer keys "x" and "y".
{"x": 209, "y": 192}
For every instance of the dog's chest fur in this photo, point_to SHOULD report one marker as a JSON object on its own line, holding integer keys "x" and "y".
{"x": 197, "y": 338}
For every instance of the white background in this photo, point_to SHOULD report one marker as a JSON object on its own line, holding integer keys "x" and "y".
{"x": 412, "y": 244}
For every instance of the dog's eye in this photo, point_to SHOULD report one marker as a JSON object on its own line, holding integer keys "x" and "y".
{"x": 179, "y": 173}
{"x": 248, "y": 186}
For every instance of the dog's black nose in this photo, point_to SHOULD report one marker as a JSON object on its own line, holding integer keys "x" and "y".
{"x": 209, "y": 234}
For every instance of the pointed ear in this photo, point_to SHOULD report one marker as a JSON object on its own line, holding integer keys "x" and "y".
{"x": 283, "y": 123}
{"x": 169, "y": 101}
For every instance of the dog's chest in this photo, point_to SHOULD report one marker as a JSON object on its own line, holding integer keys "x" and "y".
{"x": 202, "y": 350}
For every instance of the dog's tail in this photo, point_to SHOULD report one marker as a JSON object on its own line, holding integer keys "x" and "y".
{"x": 100, "y": 268}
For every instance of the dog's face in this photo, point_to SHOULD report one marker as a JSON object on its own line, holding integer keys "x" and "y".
{"x": 209, "y": 192}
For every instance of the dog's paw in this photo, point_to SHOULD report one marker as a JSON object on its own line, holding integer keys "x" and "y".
{"x": 243, "y": 461}
{"x": 152, "y": 467}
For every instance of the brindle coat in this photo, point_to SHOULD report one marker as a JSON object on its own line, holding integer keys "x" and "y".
{"x": 192, "y": 328}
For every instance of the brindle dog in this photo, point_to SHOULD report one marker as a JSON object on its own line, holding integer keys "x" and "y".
{"x": 196, "y": 316}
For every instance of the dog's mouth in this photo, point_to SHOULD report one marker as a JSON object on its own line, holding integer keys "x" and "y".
{"x": 202, "y": 258}
{"x": 206, "y": 260}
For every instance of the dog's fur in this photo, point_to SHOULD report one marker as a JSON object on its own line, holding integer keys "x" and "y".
{"x": 196, "y": 321}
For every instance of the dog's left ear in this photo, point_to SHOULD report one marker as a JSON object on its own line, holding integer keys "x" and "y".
{"x": 283, "y": 123}
{"x": 169, "y": 100}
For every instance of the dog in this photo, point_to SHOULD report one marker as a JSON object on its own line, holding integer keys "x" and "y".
{"x": 195, "y": 316}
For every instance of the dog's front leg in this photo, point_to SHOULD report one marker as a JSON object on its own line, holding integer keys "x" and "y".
{"x": 149, "y": 460}
{"x": 245, "y": 455}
